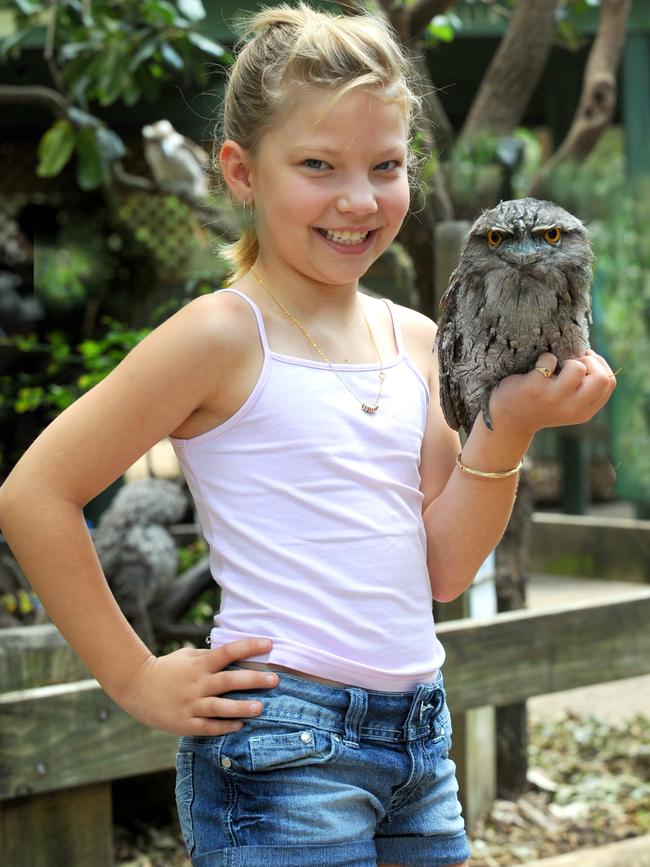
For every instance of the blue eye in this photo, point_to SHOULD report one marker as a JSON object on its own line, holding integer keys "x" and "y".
{"x": 389, "y": 165}
{"x": 315, "y": 164}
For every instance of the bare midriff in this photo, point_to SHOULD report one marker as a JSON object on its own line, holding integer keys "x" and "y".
{"x": 267, "y": 666}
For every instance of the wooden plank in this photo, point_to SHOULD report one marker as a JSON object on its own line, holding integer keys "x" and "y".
{"x": 36, "y": 656}
{"x": 73, "y": 734}
{"x": 590, "y": 546}
{"x": 513, "y": 656}
{"x": 57, "y": 737}
{"x": 72, "y": 826}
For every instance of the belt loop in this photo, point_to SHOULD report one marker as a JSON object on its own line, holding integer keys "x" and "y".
{"x": 355, "y": 715}
{"x": 427, "y": 697}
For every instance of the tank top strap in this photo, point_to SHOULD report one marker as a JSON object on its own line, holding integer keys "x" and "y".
{"x": 258, "y": 316}
{"x": 397, "y": 330}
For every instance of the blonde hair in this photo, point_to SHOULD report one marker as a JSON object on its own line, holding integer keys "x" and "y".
{"x": 288, "y": 47}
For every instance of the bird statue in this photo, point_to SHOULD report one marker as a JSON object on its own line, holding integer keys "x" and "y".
{"x": 137, "y": 552}
{"x": 176, "y": 162}
{"x": 521, "y": 288}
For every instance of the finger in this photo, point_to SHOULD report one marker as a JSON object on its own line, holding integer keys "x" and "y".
{"x": 599, "y": 365}
{"x": 228, "y": 708}
{"x": 546, "y": 361}
{"x": 596, "y": 366}
{"x": 222, "y": 656}
{"x": 572, "y": 374}
{"x": 590, "y": 354}
{"x": 242, "y": 680}
{"x": 209, "y": 727}
{"x": 598, "y": 384}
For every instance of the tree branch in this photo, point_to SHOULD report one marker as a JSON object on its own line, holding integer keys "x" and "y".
{"x": 514, "y": 71}
{"x": 45, "y": 96}
{"x": 599, "y": 89}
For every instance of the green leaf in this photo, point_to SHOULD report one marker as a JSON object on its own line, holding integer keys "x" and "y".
{"x": 163, "y": 11}
{"x": 441, "y": 28}
{"x": 111, "y": 146}
{"x": 83, "y": 118}
{"x": 10, "y": 44}
{"x": 29, "y": 399}
{"x": 192, "y": 9}
{"x": 171, "y": 56}
{"x": 55, "y": 148}
{"x": 207, "y": 45}
{"x": 90, "y": 168}
{"x": 110, "y": 75}
{"x": 71, "y": 50}
{"x": 29, "y": 7}
{"x": 143, "y": 53}
{"x": 131, "y": 93}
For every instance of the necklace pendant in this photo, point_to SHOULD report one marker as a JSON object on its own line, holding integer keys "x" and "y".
{"x": 371, "y": 410}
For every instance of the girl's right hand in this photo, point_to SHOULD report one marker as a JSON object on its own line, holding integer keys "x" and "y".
{"x": 180, "y": 692}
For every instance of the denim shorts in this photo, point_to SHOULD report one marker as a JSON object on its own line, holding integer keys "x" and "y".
{"x": 326, "y": 776}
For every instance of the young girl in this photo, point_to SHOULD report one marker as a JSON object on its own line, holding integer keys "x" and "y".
{"x": 306, "y": 420}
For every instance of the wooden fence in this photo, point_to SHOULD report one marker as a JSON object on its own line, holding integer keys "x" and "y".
{"x": 62, "y": 740}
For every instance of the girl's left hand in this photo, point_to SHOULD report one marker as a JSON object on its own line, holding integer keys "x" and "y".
{"x": 525, "y": 403}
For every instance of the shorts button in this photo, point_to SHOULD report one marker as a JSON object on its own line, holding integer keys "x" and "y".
{"x": 225, "y": 762}
{"x": 305, "y": 737}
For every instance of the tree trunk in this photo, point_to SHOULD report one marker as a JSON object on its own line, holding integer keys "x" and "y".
{"x": 514, "y": 71}
{"x": 599, "y": 90}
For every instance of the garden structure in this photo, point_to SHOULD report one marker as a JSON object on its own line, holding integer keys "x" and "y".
{"x": 64, "y": 741}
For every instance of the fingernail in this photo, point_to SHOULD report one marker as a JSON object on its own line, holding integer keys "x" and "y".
{"x": 255, "y": 707}
{"x": 272, "y": 679}
{"x": 265, "y": 644}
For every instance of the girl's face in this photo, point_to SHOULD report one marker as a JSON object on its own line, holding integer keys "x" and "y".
{"x": 331, "y": 191}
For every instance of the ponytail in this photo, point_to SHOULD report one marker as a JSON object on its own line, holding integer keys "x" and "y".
{"x": 242, "y": 253}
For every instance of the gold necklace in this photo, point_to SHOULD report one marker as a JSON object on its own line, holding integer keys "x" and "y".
{"x": 370, "y": 408}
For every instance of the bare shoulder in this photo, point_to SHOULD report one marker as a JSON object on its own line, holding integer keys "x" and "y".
{"x": 419, "y": 334}
{"x": 220, "y": 316}
{"x": 170, "y": 375}
{"x": 416, "y": 327}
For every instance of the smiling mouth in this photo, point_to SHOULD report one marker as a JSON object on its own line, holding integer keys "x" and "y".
{"x": 349, "y": 239}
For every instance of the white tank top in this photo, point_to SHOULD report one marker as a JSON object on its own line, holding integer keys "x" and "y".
{"x": 312, "y": 511}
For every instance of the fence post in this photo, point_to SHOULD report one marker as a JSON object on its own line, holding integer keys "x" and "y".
{"x": 474, "y": 748}
{"x": 71, "y": 826}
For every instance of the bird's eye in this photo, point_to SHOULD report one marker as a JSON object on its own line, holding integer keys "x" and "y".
{"x": 494, "y": 238}
{"x": 552, "y": 236}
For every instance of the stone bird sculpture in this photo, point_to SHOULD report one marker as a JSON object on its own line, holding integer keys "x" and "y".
{"x": 177, "y": 163}
{"x": 521, "y": 287}
{"x": 136, "y": 550}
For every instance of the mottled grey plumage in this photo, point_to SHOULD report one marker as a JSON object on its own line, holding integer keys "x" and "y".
{"x": 519, "y": 289}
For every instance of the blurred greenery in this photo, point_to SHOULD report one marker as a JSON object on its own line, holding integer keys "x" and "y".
{"x": 617, "y": 212}
{"x": 64, "y": 372}
{"x": 208, "y": 602}
{"x": 107, "y": 52}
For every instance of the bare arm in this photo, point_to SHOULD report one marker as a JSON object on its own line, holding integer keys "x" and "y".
{"x": 158, "y": 385}
{"x": 465, "y": 516}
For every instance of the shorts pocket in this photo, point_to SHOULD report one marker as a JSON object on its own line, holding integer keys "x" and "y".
{"x": 274, "y": 750}
{"x": 185, "y": 796}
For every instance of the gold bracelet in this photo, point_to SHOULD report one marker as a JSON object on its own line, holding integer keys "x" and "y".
{"x": 484, "y": 475}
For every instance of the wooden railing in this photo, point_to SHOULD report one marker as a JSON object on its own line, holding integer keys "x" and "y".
{"x": 62, "y": 740}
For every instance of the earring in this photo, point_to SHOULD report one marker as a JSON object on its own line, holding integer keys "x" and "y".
{"x": 246, "y": 212}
